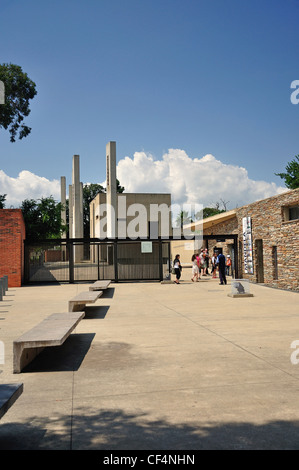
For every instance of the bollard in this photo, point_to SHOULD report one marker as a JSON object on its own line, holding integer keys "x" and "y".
{"x": 3, "y": 285}
{"x": 6, "y": 282}
{"x": 1, "y": 289}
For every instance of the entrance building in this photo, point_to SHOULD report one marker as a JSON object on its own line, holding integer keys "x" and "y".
{"x": 267, "y": 239}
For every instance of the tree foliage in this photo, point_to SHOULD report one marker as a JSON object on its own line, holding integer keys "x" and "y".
{"x": 2, "y": 200}
{"x": 42, "y": 218}
{"x": 19, "y": 89}
{"x": 210, "y": 211}
{"x": 119, "y": 188}
{"x": 291, "y": 175}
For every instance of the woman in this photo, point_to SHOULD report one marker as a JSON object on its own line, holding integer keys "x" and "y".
{"x": 228, "y": 265}
{"x": 195, "y": 270}
{"x": 178, "y": 268}
{"x": 214, "y": 268}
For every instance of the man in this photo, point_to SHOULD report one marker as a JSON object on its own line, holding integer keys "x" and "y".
{"x": 221, "y": 264}
{"x": 228, "y": 265}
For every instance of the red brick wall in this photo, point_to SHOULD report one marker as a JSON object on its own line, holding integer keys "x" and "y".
{"x": 12, "y": 235}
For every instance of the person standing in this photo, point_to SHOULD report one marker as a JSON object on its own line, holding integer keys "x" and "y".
{"x": 202, "y": 262}
{"x": 214, "y": 268}
{"x": 195, "y": 270}
{"x": 207, "y": 259}
{"x": 198, "y": 264}
{"x": 221, "y": 264}
{"x": 228, "y": 265}
{"x": 177, "y": 268}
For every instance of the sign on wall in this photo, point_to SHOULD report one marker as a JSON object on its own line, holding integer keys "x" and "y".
{"x": 247, "y": 244}
{"x": 146, "y": 247}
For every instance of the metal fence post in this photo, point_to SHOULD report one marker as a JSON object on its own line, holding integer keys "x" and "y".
{"x": 71, "y": 261}
{"x": 160, "y": 260}
{"x": 115, "y": 261}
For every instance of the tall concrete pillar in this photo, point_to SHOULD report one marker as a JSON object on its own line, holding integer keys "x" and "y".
{"x": 77, "y": 200}
{"x": 70, "y": 211}
{"x": 63, "y": 202}
{"x": 81, "y": 208}
{"x": 77, "y": 231}
{"x": 111, "y": 198}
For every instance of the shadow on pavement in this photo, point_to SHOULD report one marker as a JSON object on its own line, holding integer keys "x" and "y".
{"x": 115, "y": 430}
{"x": 67, "y": 357}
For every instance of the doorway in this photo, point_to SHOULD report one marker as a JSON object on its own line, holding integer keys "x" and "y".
{"x": 233, "y": 249}
{"x": 259, "y": 261}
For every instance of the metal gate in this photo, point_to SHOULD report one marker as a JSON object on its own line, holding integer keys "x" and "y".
{"x": 77, "y": 260}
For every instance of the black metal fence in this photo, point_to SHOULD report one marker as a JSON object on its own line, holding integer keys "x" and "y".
{"x": 75, "y": 260}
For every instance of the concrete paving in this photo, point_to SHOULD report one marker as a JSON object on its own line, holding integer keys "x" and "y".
{"x": 151, "y": 366}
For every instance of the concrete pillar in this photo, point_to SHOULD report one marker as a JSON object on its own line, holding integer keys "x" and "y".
{"x": 77, "y": 200}
{"x": 77, "y": 207}
{"x": 70, "y": 211}
{"x": 111, "y": 190}
{"x": 63, "y": 202}
{"x": 81, "y": 209}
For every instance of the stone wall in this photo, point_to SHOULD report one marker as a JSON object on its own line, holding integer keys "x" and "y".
{"x": 270, "y": 224}
{"x": 278, "y": 234}
{"x": 12, "y": 235}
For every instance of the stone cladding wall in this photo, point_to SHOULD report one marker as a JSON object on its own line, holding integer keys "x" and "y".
{"x": 270, "y": 224}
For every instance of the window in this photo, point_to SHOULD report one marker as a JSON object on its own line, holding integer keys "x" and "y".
{"x": 293, "y": 213}
{"x": 290, "y": 213}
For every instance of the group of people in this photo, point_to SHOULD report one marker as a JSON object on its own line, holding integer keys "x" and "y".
{"x": 200, "y": 266}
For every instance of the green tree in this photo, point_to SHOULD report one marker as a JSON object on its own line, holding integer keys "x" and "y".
{"x": 210, "y": 211}
{"x": 2, "y": 200}
{"x": 19, "y": 89}
{"x": 291, "y": 176}
{"x": 42, "y": 218}
{"x": 119, "y": 188}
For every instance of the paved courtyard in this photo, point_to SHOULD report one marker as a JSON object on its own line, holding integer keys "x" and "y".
{"x": 153, "y": 366}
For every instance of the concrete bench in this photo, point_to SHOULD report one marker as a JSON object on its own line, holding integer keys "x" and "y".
{"x": 79, "y": 302}
{"x": 9, "y": 393}
{"x": 52, "y": 331}
{"x": 100, "y": 285}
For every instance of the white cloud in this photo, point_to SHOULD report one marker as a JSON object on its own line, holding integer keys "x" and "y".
{"x": 203, "y": 180}
{"x": 27, "y": 186}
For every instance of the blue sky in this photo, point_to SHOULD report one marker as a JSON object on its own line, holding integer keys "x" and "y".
{"x": 203, "y": 76}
